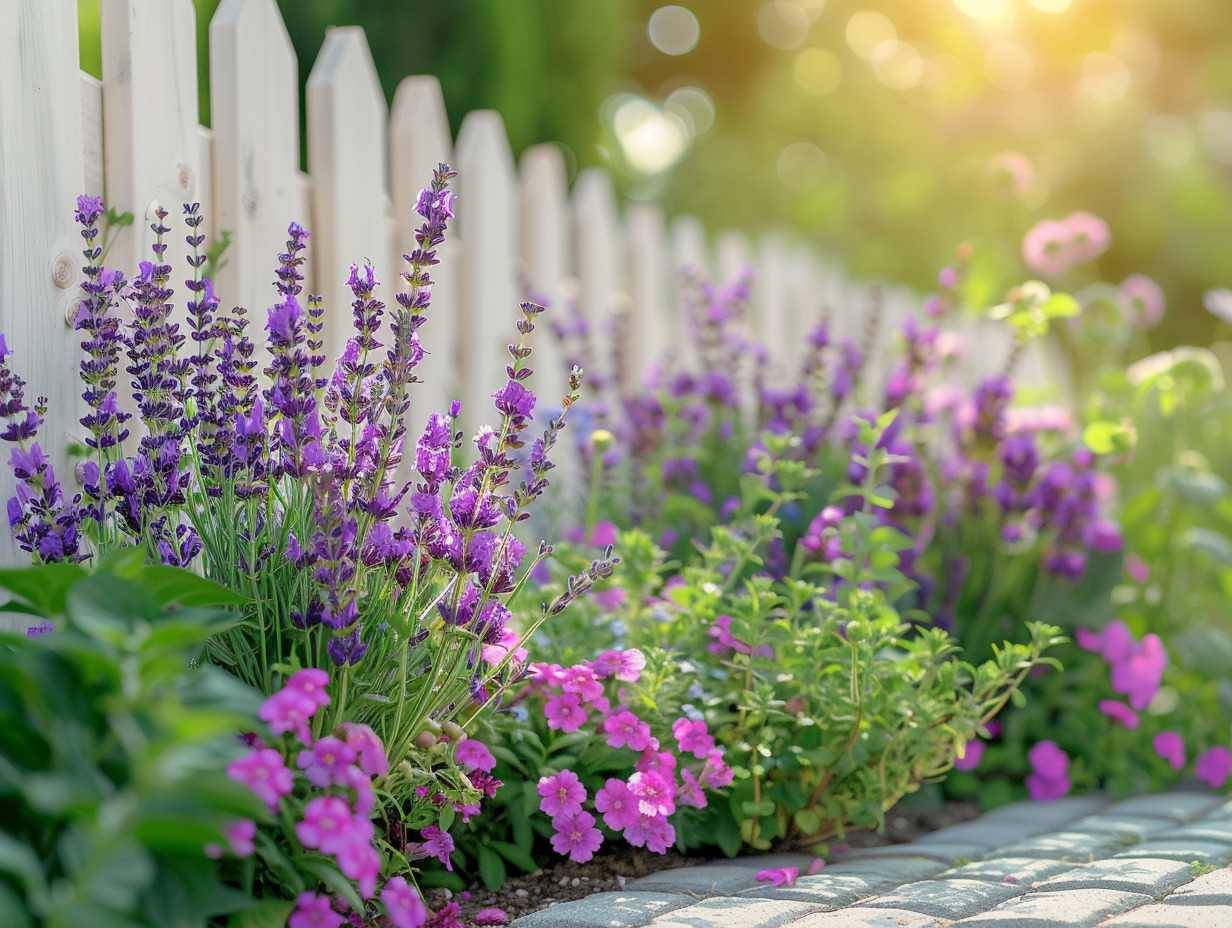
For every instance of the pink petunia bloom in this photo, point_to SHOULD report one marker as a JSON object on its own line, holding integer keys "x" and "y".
{"x": 438, "y": 844}
{"x": 565, "y": 712}
{"x": 653, "y": 832}
{"x": 326, "y": 762}
{"x": 1171, "y": 747}
{"x": 602, "y": 535}
{"x": 627, "y": 730}
{"x": 1139, "y": 676}
{"x": 359, "y": 861}
{"x": 1214, "y": 766}
{"x": 690, "y": 791}
{"x": 359, "y": 781}
{"x": 693, "y": 736}
{"x": 368, "y": 746}
{"x": 311, "y": 683}
{"x": 491, "y": 916}
{"x": 778, "y": 876}
{"x": 289, "y": 710}
{"x": 724, "y": 639}
{"x": 609, "y": 600}
{"x": 654, "y": 792}
{"x": 1049, "y": 779}
{"x": 1137, "y": 568}
{"x": 313, "y": 911}
{"x": 1046, "y": 248}
{"x": 661, "y": 762}
{"x": 1089, "y": 236}
{"x": 241, "y": 835}
{"x": 577, "y": 836}
{"x": 581, "y": 679}
{"x": 1119, "y": 712}
{"x": 816, "y": 865}
{"x": 1143, "y": 300}
{"x": 263, "y": 772}
{"x": 563, "y": 794}
{"x": 474, "y": 755}
{"x": 617, "y": 805}
{"x": 328, "y": 825}
{"x": 630, "y": 665}
{"x": 973, "y": 754}
{"x": 509, "y": 641}
{"x": 716, "y": 774}
{"x": 403, "y": 904}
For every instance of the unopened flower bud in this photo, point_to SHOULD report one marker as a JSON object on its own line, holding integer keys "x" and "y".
{"x": 425, "y": 740}
{"x": 454, "y": 731}
{"x": 601, "y": 440}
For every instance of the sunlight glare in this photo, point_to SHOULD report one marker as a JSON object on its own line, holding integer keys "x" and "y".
{"x": 652, "y": 140}
{"x": 868, "y": 29}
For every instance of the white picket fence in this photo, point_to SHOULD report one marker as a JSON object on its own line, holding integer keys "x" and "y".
{"x": 134, "y": 137}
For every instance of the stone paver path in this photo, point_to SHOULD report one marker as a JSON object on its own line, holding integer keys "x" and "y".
{"x": 1079, "y": 862}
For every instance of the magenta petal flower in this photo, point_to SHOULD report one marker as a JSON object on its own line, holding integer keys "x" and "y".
{"x": 311, "y": 682}
{"x": 1171, "y": 747}
{"x": 1214, "y": 766}
{"x": 491, "y": 916}
{"x": 1050, "y": 777}
{"x": 627, "y": 730}
{"x": 263, "y": 772}
{"x": 313, "y": 911}
{"x": 563, "y": 794}
{"x": 403, "y": 904}
{"x": 288, "y": 710}
{"x": 816, "y": 865}
{"x": 1120, "y": 712}
{"x": 438, "y": 844}
{"x": 693, "y": 736}
{"x": 654, "y": 792}
{"x": 577, "y": 836}
{"x": 327, "y": 825}
{"x": 778, "y": 876}
{"x": 368, "y": 746}
{"x": 474, "y": 755}
{"x": 972, "y": 756}
{"x": 326, "y": 762}
{"x": 565, "y": 712}
{"x": 241, "y": 835}
{"x": 617, "y": 804}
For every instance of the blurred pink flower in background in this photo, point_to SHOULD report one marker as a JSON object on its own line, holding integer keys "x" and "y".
{"x": 1051, "y": 247}
{"x": 1143, "y": 299}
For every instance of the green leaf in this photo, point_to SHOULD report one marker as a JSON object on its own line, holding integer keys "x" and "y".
{"x": 334, "y": 881}
{"x": 519, "y": 857}
{"x": 1110, "y": 437}
{"x": 491, "y": 868}
{"x": 13, "y": 913}
{"x": 268, "y": 913}
{"x": 43, "y": 588}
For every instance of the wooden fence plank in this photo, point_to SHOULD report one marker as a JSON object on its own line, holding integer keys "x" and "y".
{"x": 732, "y": 254}
{"x": 770, "y": 319}
{"x": 690, "y": 255}
{"x": 254, "y": 113}
{"x": 92, "y": 132}
{"x": 419, "y": 140}
{"x": 346, "y": 158}
{"x": 487, "y": 227}
{"x": 42, "y": 171}
{"x": 652, "y": 319}
{"x": 151, "y": 145}
{"x": 596, "y": 236}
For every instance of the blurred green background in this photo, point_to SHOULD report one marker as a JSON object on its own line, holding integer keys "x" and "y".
{"x": 885, "y": 131}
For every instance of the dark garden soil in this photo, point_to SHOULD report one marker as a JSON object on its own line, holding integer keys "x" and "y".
{"x": 613, "y": 867}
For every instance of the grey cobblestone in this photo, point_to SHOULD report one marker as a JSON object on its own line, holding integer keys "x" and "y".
{"x": 1070, "y": 845}
{"x": 604, "y": 910}
{"x": 953, "y": 898}
{"x": 1208, "y": 889}
{"x": 1144, "y": 826}
{"x": 1150, "y": 876}
{"x": 736, "y": 913}
{"x": 1181, "y": 806}
{"x": 1049, "y": 814}
{"x": 1173, "y": 916}
{"x": 945, "y": 851}
{"x": 709, "y": 879}
{"x": 1215, "y": 853}
{"x": 988, "y": 835}
{"x": 1201, "y": 830}
{"x": 1023, "y": 871}
{"x": 869, "y": 918}
{"x": 844, "y": 883}
{"x": 1074, "y": 908}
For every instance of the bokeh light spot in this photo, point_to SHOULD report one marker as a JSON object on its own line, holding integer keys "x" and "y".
{"x": 867, "y": 29}
{"x": 982, "y": 9}
{"x": 1171, "y": 141}
{"x": 1216, "y": 128}
{"x": 782, "y": 24}
{"x": 801, "y": 166}
{"x": 898, "y": 64}
{"x": 811, "y": 8}
{"x": 673, "y": 30}
{"x": 651, "y": 138}
{"x": 817, "y": 71}
{"x": 1009, "y": 65}
{"x": 694, "y": 107}
{"x": 1051, "y": 6}
{"x": 1104, "y": 77}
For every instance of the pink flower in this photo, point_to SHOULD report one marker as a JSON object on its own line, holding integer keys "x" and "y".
{"x": 507, "y": 642}
{"x": 1089, "y": 236}
{"x": 629, "y": 665}
{"x": 359, "y": 781}
{"x": 1120, "y": 712}
{"x": 311, "y": 683}
{"x": 328, "y": 825}
{"x": 241, "y": 836}
{"x": 565, "y": 712}
{"x": 778, "y": 876}
{"x": 1137, "y": 568}
{"x": 693, "y": 737}
{"x": 1103, "y": 535}
{"x": 690, "y": 792}
{"x": 1045, "y": 248}
{"x": 609, "y": 600}
{"x": 369, "y": 747}
{"x": 264, "y": 773}
{"x": 815, "y": 866}
{"x": 474, "y": 755}
{"x": 1214, "y": 766}
{"x": 289, "y": 710}
{"x": 359, "y": 861}
{"x": 627, "y": 730}
{"x": 576, "y": 835}
{"x": 716, "y": 774}
{"x": 1140, "y": 675}
{"x": 602, "y": 535}
{"x": 1050, "y": 777}
{"x": 581, "y": 679}
{"x": 491, "y": 916}
{"x": 655, "y": 794}
{"x": 438, "y": 844}
{"x": 617, "y": 804}
{"x": 1143, "y": 299}
{"x": 661, "y": 762}
{"x": 1171, "y": 747}
{"x": 654, "y": 832}
{"x": 326, "y": 762}
{"x": 563, "y": 794}
{"x": 724, "y": 639}
{"x": 974, "y": 753}
{"x": 403, "y": 904}
{"x": 313, "y": 911}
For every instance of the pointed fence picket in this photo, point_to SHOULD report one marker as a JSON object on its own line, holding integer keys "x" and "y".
{"x": 135, "y": 138}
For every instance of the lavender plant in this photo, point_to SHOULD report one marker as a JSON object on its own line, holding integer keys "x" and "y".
{"x": 288, "y": 485}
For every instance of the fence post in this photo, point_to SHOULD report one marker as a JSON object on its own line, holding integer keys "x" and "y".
{"x": 254, "y": 112}
{"x": 42, "y": 171}
{"x": 151, "y": 137}
{"x": 690, "y": 255}
{"x": 487, "y": 225}
{"x": 651, "y": 316}
{"x": 419, "y": 140}
{"x": 346, "y": 157}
